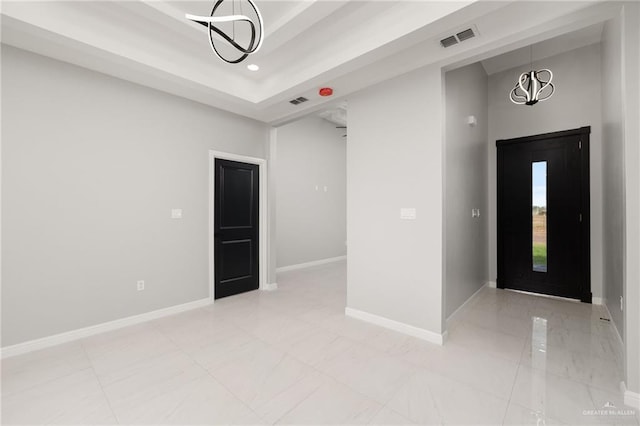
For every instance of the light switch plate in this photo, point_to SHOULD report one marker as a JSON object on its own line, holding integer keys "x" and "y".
{"x": 407, "y": 213}
{"x": 176, "y": 213}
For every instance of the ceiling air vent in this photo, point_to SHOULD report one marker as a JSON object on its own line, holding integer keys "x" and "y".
{"x": 449, "y": 41}
{"x": 299, "y": 100}
{"x": 458, "y": 37}
{"x": 465, "y": 35}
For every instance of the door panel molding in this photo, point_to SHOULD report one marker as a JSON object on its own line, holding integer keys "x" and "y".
{"x": 262, "y": 215}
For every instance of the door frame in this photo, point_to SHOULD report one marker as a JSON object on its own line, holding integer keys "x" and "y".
{"x": 585, "y": 204}
{"x": 262, "y": 214}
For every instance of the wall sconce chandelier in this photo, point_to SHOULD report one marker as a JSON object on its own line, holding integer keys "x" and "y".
{"x": 255, "y": 41}
{"x": 533, "y": 86}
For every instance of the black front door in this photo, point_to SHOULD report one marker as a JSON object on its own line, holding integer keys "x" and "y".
{"x": 235, "y": 227}
{"x": 543, "y": 214}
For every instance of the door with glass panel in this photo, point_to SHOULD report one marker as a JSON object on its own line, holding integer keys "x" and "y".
{"x": 543, "y": 214}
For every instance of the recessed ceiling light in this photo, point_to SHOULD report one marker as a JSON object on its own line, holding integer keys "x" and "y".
{"x": 253, "y": 67}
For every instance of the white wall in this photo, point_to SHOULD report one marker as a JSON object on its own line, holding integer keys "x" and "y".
{"x": 631, "y": 90}
{"x": 621, "y": 157}
{"x": 613, "y": 168}
{"x": 394, "y": 160}
{"x": 576, "y": 103}
{"x": 311, "y": 223}
{"x": 466, "y": 259}
{"x": 91, "y": 167}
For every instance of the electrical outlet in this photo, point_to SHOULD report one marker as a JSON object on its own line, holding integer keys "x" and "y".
{"x": 621, "y": 303}
{"x": 140, "y": 285}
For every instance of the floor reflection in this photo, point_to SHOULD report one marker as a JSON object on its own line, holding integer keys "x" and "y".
{"x": 539, "y": 361}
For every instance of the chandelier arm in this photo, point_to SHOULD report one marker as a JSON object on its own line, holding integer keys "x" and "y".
{"x": 515, "y": 101}
{"x": 252, "y": 48}
{"x": 260, "y": 24}
{"x": 515, "y": 97}
{"x": 218, "y": 54}
{"x": 523, "y": 80}
{"x": 518, "y": 98}
{"x": 553, "y": 89}
{"x": 545, "y": 84}
{"x": 215, "y": 19}
{"x": 234, "y": 43}
{"x": 518, "y": 94}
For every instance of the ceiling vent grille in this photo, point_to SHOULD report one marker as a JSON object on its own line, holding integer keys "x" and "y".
{"x": 458, "y": 38}
{"x": 299, "y": 100}
{"x": 449, "y": 41}
{"x": 465, "y": 35}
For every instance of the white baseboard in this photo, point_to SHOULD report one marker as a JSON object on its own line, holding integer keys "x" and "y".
{"x": 597, "y": 300}
{"x": 492, "y": 284}
{"x": 310, "y": 264}
{"x": 270, "y": 287}
{"x": 400, "y": 327}
{"x": 57, "y": 339}
{"x": 632, "y": 399}
{"x": 462, "y": 307}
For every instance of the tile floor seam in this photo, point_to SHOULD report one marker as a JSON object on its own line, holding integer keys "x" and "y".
{"x": 31, "y": 387}
{"x": 488, "y": 353}
{"x": 225, "y": 387}
{"x": 296, "y": 405}
{"x": 513, "y": 386}
{"x": 104, "y": 394}
{"x": 571, "y": 379}
{"x": 396, "y": 412}
{"x": 382, "y": 407}
{"x": 91, "y": 359}
{"x": 336, "y": 380}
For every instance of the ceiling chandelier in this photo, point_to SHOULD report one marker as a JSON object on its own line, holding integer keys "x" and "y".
{"x": 533, "y": 86}
{"x": 255, "y": 39}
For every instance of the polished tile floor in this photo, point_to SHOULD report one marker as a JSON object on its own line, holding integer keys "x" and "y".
{"x": 292, "y": 357}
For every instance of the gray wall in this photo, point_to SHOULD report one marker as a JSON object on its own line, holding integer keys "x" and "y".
{"x": 613, "y": 168}
{"x": 576, "y": 103}
{"x": 311, "y": 223}
{"x": 394, "y": 160}
{"x": 466, "y": 259}
{"x": 91, "y": 167}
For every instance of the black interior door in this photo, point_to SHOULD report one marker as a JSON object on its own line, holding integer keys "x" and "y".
{"x": 235, "y": 227}
{"x": 543, "y": 214}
